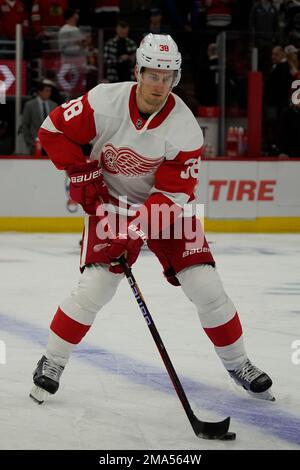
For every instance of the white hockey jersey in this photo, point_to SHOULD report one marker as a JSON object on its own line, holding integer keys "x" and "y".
{"x": 138, "y": 157}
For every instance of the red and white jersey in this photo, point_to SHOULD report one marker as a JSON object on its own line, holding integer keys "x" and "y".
{"x": 11, "y": 14}
{"x": 47, "y": 13}
{"x": 138, "y": 157}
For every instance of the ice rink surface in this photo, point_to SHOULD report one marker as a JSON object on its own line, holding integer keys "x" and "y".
{"x": 115, "y": 392}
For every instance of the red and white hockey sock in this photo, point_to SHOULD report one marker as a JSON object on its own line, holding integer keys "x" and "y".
{"x": 217, "y": 314}
{"x": 78, "y": 311}
{"x": 65, "y": 334}
{"x": 228, "y": 342}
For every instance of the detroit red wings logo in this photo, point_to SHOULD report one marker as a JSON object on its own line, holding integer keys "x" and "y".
{"x": 124, "y": 161}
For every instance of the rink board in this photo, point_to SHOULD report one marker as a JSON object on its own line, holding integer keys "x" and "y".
{"x": 239, "y": 195}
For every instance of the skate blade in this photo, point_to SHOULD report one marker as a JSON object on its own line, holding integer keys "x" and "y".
{"x": 39, "y": 395}
{"x": 267, "y": 395}
{"x": 240, "y": 391}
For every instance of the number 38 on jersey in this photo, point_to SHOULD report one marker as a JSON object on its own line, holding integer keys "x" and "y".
{"x": 73, "y": 108}
{"x": 193, "y": 168}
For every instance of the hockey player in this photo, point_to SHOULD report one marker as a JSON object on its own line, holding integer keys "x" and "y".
{"x": 146, "y": 146}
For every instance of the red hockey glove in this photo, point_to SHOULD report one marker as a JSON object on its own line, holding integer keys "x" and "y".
{"x": 87, "y": 186}
{"x": 128, "y": 244}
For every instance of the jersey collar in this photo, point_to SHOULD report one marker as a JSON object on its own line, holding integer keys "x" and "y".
{"x": 138, "y": 121}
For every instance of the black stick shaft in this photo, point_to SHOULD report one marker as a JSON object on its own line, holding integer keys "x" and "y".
{"x": 158, "y": 341}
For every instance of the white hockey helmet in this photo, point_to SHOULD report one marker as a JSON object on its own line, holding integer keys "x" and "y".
{"x": 159, "y": 51}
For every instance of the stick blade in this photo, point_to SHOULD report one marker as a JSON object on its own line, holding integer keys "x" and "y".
{"x": 207, "y": 430}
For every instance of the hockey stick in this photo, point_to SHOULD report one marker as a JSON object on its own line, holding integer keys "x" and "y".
{"x": 218, "y": 430}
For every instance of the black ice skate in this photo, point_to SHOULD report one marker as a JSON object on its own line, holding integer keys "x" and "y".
{"x": 46, "y": 379}
{"x": 255, "y": 381}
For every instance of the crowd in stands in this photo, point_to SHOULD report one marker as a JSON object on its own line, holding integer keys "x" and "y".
{"x": 62, "y": 45}
{"x": 262, "y": 17}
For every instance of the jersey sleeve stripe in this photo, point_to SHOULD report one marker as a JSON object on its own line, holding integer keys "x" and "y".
{"x": 180, "y": 199}
{"x": 49, "y": 126}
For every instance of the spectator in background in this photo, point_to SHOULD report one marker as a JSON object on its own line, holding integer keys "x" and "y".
{"x": 47, "y": 13}
{"x": 155, "y": 22}
{"x": 276, "y": 94}
{"x": 50, "y": 79}
{"x": 279, "y": 81}
{"x": 71, "y": 75}
{"x": 292, "y": 60}
{"x": 84, "y": 9}
{"x": 180, "y": 14}
{"x": 289, "y": 130}
{"x": 263, "y": 19}
{"x": 294, "y": 34}
{"x": 70, "y": 39}
{"x": 35, "y": 112}
{"x": 264, "y": 27}
{"x": 12, "y": 13}
{"x": 290, "y": 13}
{"x": 291, "y": 8}
{"x": 119, "y": 55}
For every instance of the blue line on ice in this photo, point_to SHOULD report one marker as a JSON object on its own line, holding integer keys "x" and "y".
{"x": 263, "y": 415}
